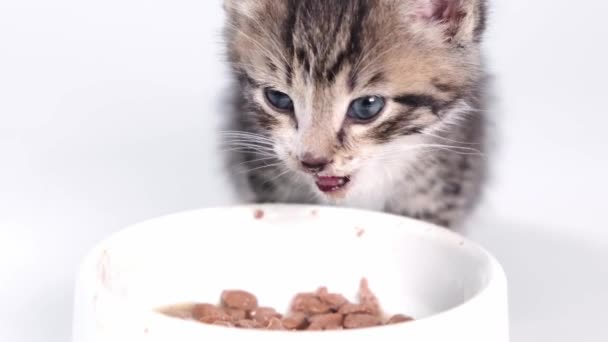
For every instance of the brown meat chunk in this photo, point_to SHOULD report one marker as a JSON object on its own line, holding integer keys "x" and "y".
{"x": 331, "y": 321}
{"x": 399, "y": 319}
{"x": 275, "y": 324}
{"x": 367, "y": 297}
{"x": 264, "y": 315}
{"x": 350, "y": 308}
{"x": 258, "y": 214}
{"x": 310, "y": 304}
{"x": 208, "y": 313}
{"x": 240, "y": 300}
{"x": 356, "y": 321}
{"x": 236, "y": 314}
{"x": 295, "y": 321}
{"x": 334, "y": 300}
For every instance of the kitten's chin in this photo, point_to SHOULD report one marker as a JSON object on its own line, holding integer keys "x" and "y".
{"x": 365, "y": 189}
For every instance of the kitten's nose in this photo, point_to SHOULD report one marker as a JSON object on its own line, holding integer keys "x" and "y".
{"x": 313, "y": 164}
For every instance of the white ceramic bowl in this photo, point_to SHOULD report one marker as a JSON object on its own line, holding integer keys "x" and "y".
{"x": 453, "y": 287}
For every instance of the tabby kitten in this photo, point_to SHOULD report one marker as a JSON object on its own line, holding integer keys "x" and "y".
{"x": 375, "y": 104}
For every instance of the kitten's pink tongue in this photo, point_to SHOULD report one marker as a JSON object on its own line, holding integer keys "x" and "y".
{"x": 329, "y": 184}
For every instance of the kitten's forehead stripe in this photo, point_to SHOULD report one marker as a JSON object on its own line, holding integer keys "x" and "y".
{"x": 302, "y": 57}
{"x": 289, "y": 74}
{"x": 420, "y": 100}
{"x": 481, "y": 22}
{"x": 290, "y": 24}
{"x": 288, "y": 32}
{"x": 356, "y": 36}
{"x": 325, "y": 35}
{"x": 336, "y": 68}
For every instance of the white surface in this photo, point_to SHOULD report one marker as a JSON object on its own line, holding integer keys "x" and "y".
{"x": 107, "y": 115}
{"x": 450, "y": 285}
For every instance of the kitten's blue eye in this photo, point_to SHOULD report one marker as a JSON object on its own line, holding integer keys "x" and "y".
{"x": 366, "y": 108}
{"x": 278, "y": 100}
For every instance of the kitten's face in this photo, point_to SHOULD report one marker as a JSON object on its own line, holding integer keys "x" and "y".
{"x": 346, "y": 88}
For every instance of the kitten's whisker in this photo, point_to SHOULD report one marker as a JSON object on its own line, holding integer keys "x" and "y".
{"x": 449, "y": 140}
{"x": 424, "y": 152}
{"x": 397, "y": 154}
{"x": 259, "y": 154}
{"x": 250, "y": 150}
{"x": 243, "y": 132}
{"x": 246, "y": 135}
{"x": 249, "y": 144}
{"x": 252, "y": 141}
{"x": 257, "y": 160}
{"x": 253, "y": 137}
{"x": 264, "y": 167}
{"x": 407, "y": 148}
{"x": 277, "y": 177}
{"x": 248, "y": 141}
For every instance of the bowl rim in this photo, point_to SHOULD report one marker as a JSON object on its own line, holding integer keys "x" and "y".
{"x": 497, "y": 275}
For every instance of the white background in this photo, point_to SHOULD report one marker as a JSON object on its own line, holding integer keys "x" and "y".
{"x": 108, "y": 115}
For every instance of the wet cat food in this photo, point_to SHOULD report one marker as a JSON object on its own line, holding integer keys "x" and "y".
{"x": 315, "y": 311}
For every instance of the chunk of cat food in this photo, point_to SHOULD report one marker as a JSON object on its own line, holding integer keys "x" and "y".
{"x": 351, "y": 308}
{"x": 310, "y": 304}
{"x": 240, "y": 300}
{"x": 358, "y": 321}
{"x": 399, "y": 319}
{"x": 295, "y": 321}
{"x": 275, "y": 324}
{"x": 258, "y": 214}
{"x": 334, "y": 300}
{"x": 264, "y": 315}
{"x": 208, "y": 313}
{"x": 331, "y": 321}
{"x": 236, "y": 314}
{"x": 368, "y": 298}
{"x": 248, "y": 324}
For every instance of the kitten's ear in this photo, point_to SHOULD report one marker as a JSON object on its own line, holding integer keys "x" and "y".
{"x": 461, "y": 20}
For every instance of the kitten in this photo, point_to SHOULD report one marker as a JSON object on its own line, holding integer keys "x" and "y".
{"x": 375, "y": 104}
